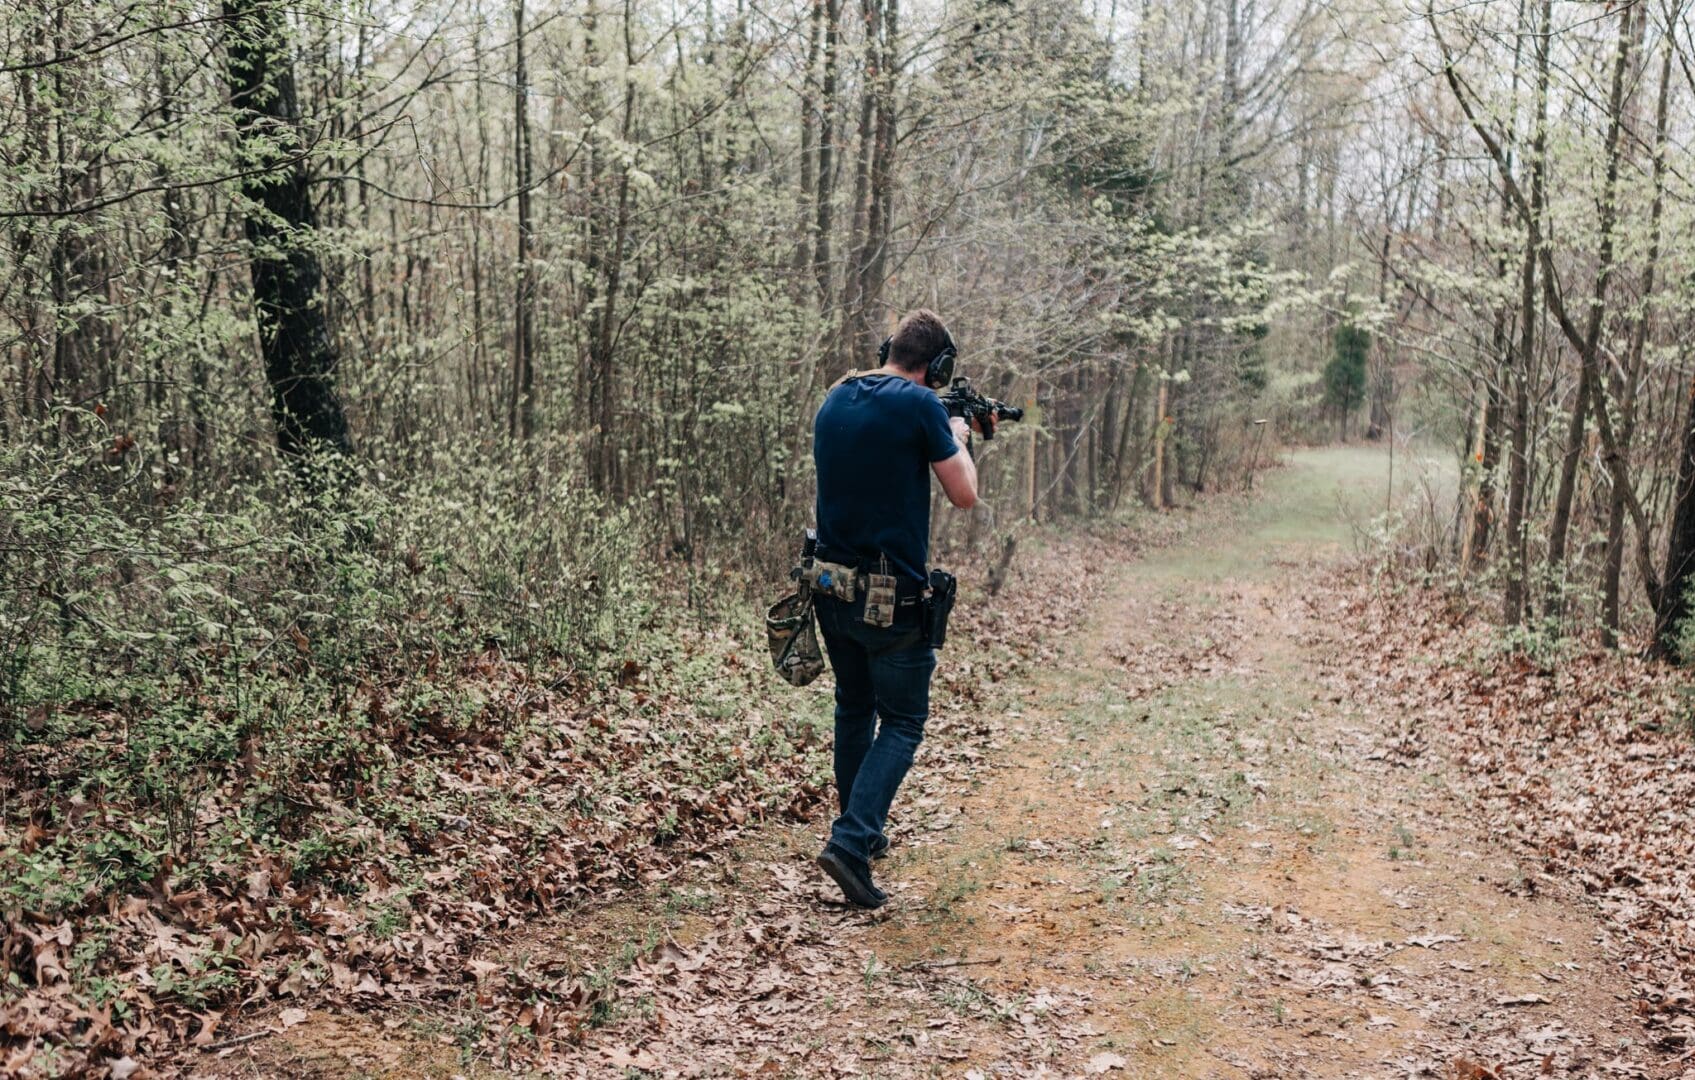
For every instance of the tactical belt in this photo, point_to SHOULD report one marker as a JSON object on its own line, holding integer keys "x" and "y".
{"x": 879, "y": 596}
{"x": 885, "y": 596}
{"x": 844, "y": 582}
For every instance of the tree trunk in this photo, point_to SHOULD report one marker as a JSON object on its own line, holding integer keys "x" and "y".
{"x": 177, "y": 228}
{"x": 608, "y": 473}
{"x": 854, "y": 329}
{"x": 1518, "y": 470}
{"x": 521, "y": 417}
{"x": 1589, "y": 373}
{"x": 1030, "y": 458}
{"x": 809, "y": 139}
{"x": 1129, "y": 435}
{"x": 1560, "y": 527}
{"x": 489, "y": 412}
{"x": 1484, "y": 512}
{"x": 35, "y": 390}
{"x": 1610, "y": 608}
{"x": 1672, "y": 610}
{"x": 1159, "y": 443}
{"x": 1382, "y": 379}
{"x": 826, "y": 150}
{"x": 1106, "y": 440}
{"x": 294, "y": 335}
{"x": 882, "y": 170}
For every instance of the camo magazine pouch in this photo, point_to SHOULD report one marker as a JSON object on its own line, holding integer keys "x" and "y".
{"x": 792, "y": 636}
{"x": 880, "y": 600}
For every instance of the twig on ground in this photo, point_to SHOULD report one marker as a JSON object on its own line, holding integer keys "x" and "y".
{"x": 936, "y": 965}
{"x": 225, "y": 1044}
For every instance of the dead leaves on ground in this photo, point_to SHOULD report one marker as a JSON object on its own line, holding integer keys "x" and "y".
{"x": 775, "y": 983}
{"x": 1587, "y": 768}
{"x": 597, "y": 786}
{"x": 615, "y": 770}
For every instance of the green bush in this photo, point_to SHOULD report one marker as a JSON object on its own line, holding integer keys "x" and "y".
{"x": 1344, "y": 374}
{"x": 270, "y": 653}
{"x": 102, "y": 585}
{"x": 1683, "y": 647}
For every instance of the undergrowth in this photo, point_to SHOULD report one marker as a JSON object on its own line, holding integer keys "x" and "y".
{"x": 277, "y": 741}
{"x": 264, "y": 653}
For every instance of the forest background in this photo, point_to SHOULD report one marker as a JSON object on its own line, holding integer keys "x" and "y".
{"x": 381, "y": 378}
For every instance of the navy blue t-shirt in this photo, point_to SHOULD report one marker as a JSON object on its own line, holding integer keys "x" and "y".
{"x": 873, "y": 442}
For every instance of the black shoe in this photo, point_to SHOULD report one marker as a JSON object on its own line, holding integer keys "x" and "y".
{"x": 880, "y": 848}
{"x": 856, "y": 883}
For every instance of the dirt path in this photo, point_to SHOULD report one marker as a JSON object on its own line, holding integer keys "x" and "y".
{"x": 1183, "y": 855}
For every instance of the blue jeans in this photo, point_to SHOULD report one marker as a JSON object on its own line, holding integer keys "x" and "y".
{"x": 881, "y": 674}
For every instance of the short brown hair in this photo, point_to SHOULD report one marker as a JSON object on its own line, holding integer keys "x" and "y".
{"x": 917, "y": 340}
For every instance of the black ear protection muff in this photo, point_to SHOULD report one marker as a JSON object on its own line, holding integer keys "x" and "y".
{"x": 939, "y": 371}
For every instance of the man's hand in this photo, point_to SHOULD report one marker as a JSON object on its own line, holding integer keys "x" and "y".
{"x": 986, "y": 424}
{"x": 960, "y": 431}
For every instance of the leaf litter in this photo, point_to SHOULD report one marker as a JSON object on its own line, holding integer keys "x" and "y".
{"x": 454, "y": 954}
{"x": 1003, "y": 957}
{"x": 1587, "y": 769}
{"x": 776, "y": 977}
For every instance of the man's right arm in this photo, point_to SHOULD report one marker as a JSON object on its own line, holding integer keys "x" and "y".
{"x": 957, "y": 472}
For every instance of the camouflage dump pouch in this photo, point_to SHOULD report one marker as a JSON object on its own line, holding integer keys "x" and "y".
{"x": 793, "y": 638}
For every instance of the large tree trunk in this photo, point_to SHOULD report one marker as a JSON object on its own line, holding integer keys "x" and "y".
{"x": 1129, "y": 435}
{"x": 294, "y": 336}
{"x": 1160, "y": 484}
{"x": 1589, "y": 373}
{"x": 1381, "y": 377}
{"x": 1674, "y": 600}
{"x": 171, "y": 433}
{"x": 609, "y": 476}
{"x": 1105, "y": 438}
{"x": 1560, "y": 527}
{"x": 882, "y": 170}
{"x": 855, "y": 329}
{"x": 1497, "y": 381}
{"x": 1610, "y": 613}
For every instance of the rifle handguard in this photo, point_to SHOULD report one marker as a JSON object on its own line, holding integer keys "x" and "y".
{"x": 967, "y": 404}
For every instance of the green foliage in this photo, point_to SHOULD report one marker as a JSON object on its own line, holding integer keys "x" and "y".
{"x": 158, "y": 648}
{"x": 105, "y": 588}
{"x": 1344, "y": 375}
{"x": 1683, "y": 646}
{"x": 1541, "y": 640}
{"x": 1251, "y": 371}
{"x": 209, "y": 661}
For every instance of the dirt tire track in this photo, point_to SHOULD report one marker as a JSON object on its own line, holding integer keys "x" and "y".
{"x": 1184, "y": 855}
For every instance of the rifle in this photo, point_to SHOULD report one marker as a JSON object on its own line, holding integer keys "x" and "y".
{"x": 962, "y": 401}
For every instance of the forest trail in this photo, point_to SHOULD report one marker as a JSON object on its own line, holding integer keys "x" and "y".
{"x": 1183, "y": 855}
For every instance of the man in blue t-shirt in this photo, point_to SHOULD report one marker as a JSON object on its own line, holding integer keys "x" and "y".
{"x": 876, "y": 440}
